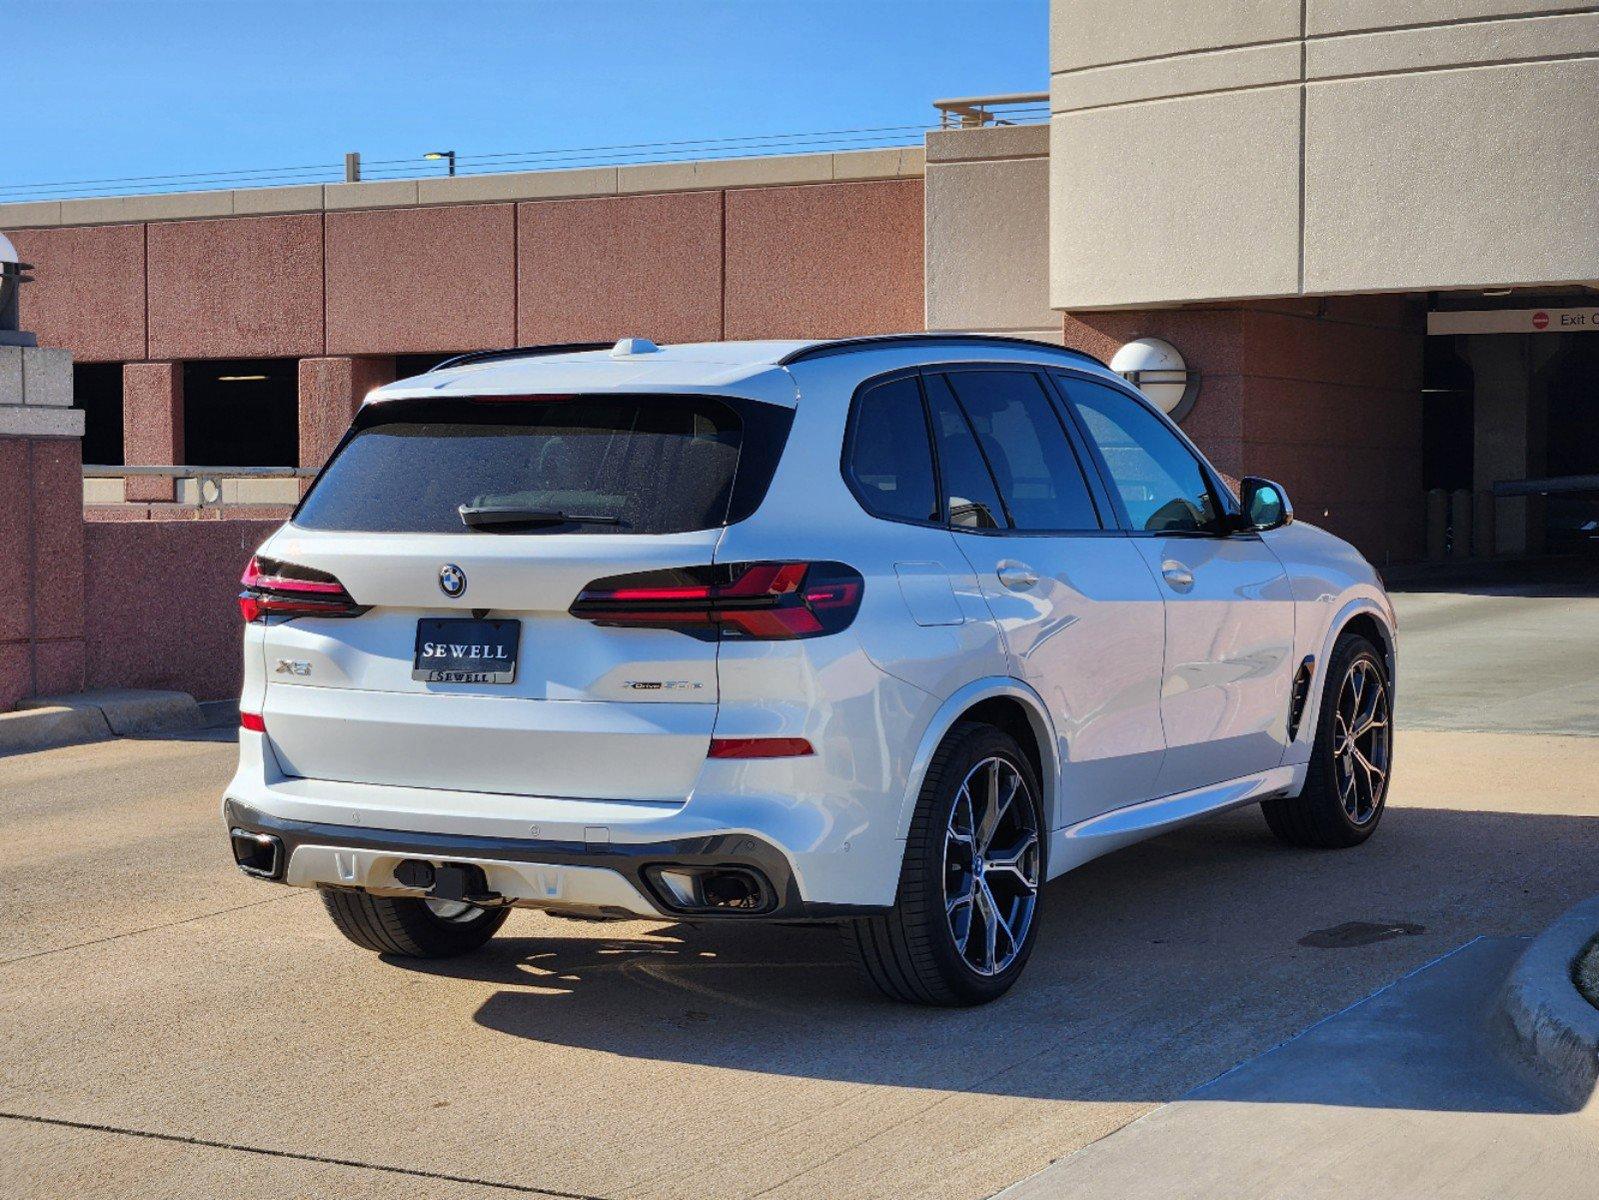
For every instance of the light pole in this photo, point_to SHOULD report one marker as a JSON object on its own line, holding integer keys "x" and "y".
{"x": 435, "y": 155}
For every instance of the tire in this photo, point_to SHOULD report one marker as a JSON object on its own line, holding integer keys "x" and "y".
{"x": 408, "y": 927}
{"x": 913, "y": 953}
{"x": 1346, "y": 788}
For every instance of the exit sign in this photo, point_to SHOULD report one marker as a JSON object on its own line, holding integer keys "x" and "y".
{"x": 1515, "y": 320}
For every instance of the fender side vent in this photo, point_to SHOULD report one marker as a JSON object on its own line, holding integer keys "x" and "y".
{"x": 1299, "y": 694}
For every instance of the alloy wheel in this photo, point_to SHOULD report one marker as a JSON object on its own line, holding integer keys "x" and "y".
{"x": 1361, "y": 741}
{"x": 991, "y": 862}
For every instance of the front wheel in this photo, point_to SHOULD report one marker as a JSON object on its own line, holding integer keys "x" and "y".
{"x": 412, "y": 928}
{"x": 966, "y": 915}
{"x": 1346, "y": 787}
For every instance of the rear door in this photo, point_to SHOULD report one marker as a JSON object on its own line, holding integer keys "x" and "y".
{"x": 1229, "y": 607}
{"x": 1081, "y": 617}
{"x": 493, "y": 515}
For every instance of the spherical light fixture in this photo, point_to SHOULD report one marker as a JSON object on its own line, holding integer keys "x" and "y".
{"x": 1157, "y": 370}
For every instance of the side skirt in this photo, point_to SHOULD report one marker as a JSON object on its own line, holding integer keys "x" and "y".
{"x": 1073, "y": 845}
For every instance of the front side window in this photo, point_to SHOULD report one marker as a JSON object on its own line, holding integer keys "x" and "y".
{"x": 1160, "y": 482}
{"x": 890, "y": 460}
{"x": 1032, "y": 462}
{"x": 575, "y": 464}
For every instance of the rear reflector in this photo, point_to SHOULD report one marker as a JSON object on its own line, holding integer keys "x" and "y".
{"x": 764, "y": 600}
{"x": 279, "y": 589}
{"x": 760, "y": 747}
{"x": 252, "y": 722}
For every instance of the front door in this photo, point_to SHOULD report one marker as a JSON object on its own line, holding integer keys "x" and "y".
{"x": 1229, "y": 636}
{"x": 1081, "y": 617}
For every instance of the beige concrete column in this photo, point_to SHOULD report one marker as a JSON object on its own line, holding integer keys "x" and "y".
{"x": 1502, "y": 436}
{"x": 152, "y": 424}
{"x": 331, "y": 389}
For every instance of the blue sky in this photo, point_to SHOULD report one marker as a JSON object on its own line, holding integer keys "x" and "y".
{"x": 100, "y": 89}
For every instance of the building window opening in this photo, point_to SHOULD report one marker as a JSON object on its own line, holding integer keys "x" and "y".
{"x": 97, "y": 390}
{"x": 407, "y": 365}
{"x": 241, "y": 413}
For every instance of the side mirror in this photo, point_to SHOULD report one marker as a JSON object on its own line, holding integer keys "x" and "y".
{"x": 1265, "y": 504}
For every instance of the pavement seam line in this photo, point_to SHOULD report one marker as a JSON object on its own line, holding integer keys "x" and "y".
{"x": 146, "y": 929}
{"x": 186, "y": 1140}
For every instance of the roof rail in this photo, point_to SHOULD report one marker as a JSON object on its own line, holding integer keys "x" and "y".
{"x": 845, "y": 345}
{"x": 473, "y": 356}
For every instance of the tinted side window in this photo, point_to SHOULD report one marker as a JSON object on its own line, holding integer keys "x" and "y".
{"x": 1159, "y": 480}
{"x": 970, "y": 499}
{"x": 1032, "y": 462}
{"x": 890, "y": 460}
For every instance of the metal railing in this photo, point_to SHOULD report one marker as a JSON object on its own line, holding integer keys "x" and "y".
{"x": 973, "y": 112}
{"x": 209, "y": 480}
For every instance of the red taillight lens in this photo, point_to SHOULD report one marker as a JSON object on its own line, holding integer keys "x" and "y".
{"x": 764, "y": 601}
{"x": 280, "y": 589}
{"x": 251, "y": 721}
{"x": 760, "y": 747}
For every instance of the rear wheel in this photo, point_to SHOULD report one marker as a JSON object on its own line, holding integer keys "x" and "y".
{"x": 1346, "y": 787}
{"x": 409, "y": 927}
{"x": 966, "y": 915}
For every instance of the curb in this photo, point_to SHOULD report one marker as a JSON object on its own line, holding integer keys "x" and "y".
{"x": 1552, "y": 1027}
{"x": 46, "y": 722}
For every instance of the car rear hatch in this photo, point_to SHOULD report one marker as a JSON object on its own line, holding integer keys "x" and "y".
{"x": 444, "y": 547}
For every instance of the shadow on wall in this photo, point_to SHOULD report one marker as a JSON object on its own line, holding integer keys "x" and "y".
{"x": 160, "y": 603}
{"x": 1157, "y": 968}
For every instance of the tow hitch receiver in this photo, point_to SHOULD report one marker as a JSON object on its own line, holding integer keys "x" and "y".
{"x": 448, "y": 881}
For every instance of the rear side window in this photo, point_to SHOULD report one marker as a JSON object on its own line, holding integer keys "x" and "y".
{"x": 970, "y": 496}
{"x": 579, "y": 464}
{"x": 1032, "y": 462}
{"x": 890, "y": 460}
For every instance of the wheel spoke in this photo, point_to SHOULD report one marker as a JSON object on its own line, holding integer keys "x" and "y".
{"x": 990, "y": 930}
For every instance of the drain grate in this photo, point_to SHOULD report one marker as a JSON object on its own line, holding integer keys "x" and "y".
{"x": 1359, "y": 933}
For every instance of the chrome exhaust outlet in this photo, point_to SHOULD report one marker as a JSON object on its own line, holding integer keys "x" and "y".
{"x": 258, "y": 854}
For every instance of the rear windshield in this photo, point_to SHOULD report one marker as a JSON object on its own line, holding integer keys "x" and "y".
{"x": 588, "y": 464}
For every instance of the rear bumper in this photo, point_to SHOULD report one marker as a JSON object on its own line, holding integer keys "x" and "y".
{"x": 599, "y": 878}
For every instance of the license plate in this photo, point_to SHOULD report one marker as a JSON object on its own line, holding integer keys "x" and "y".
{"x": 460, "y": 650}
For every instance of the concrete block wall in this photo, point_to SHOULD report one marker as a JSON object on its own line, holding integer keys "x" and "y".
{"x": 822, "y": 244}
{"x": 1219, "y": 149}
{"x": 41, "y": 526}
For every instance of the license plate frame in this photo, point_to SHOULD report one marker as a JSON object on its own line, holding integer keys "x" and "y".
{"x": 450, "y": 641}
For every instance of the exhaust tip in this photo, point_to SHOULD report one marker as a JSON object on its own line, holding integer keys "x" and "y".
{"x": 734, "y": 891}
{"x": 258, "y": 854}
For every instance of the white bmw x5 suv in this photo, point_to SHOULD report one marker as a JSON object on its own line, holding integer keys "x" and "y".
{"x": 884, "y": 632}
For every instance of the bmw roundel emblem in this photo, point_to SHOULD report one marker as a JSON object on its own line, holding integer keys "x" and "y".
{"x": 452, "y": 580}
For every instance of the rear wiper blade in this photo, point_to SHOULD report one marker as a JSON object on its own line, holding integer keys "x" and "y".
{"x": 490, "y": 516}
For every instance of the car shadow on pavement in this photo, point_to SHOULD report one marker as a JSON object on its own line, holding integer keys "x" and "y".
{"x": 1157, "y": 968}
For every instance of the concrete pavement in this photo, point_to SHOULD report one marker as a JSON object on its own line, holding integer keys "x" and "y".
{"x": 1404, "y": 1095}
{"x": 169, "y": 1027}
{"x": 148, "y": 989}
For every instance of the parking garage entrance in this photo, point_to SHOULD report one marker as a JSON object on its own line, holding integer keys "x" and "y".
{"x": 1510, "y": 429}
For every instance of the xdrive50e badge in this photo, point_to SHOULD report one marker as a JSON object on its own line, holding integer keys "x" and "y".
{"x": 452, "y": 580}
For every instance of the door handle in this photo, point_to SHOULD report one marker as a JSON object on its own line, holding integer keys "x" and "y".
{"x": 1016, "y": 576}
{"x": 1178, "y": 576}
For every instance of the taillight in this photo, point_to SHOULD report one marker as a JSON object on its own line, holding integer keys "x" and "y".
{"x": 279, "y": 589}
{"x": 764, "y": 601}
